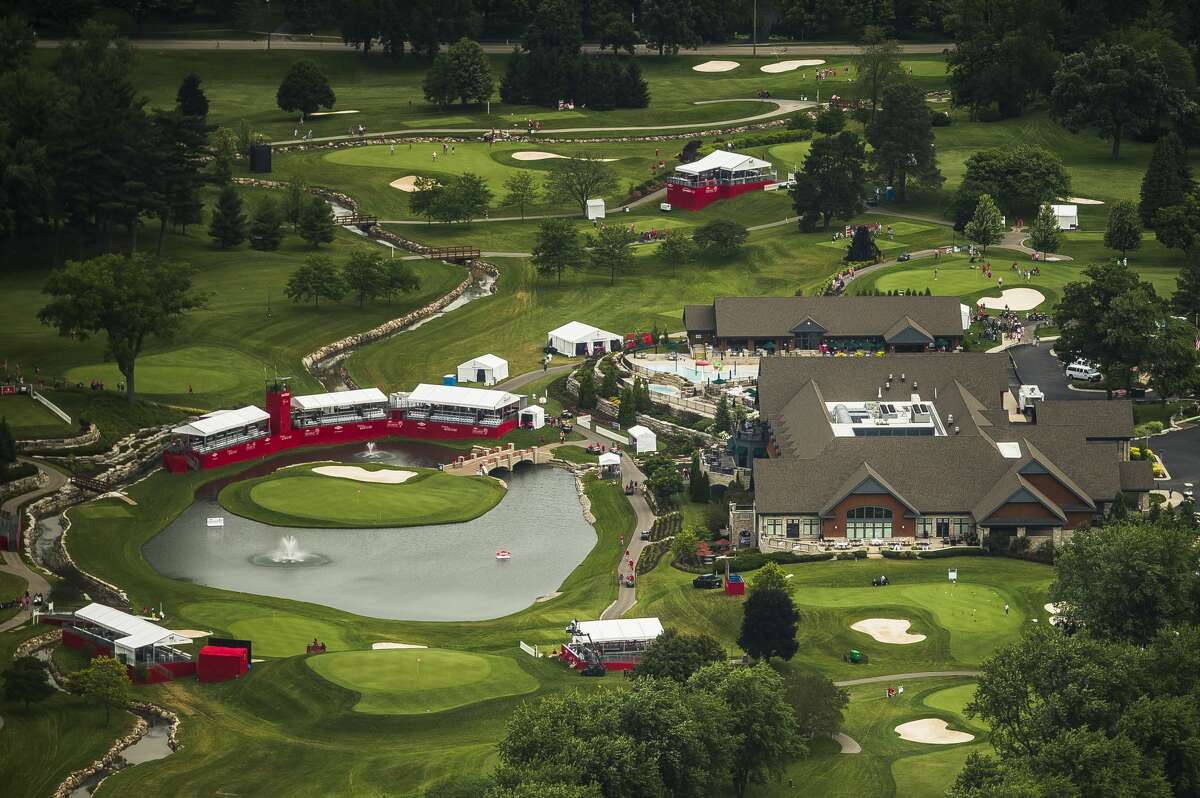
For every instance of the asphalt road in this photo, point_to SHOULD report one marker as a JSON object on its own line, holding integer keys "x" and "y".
{"x": 1180, "y": 453}
{"x": 1036, "y": 366}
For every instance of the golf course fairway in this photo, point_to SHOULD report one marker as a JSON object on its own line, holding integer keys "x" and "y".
{"x": 301, "y": 496}
{"x": 417, "y": 681}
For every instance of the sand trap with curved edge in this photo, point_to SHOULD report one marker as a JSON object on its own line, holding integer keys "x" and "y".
{"x": 406, "y": 183}
{"x": 932, "y": 731}
{"x": 1014, "y": 299}
{"x": 716, "y": 66}
{"x": 538, "y": 155}
{"x": 788, "y": 66}
{"x": 393, "y": 646}
{"x": 887, "y": 630}
{"x": 190, "y": 634}
{"x": 331, "y": 113}
{"x": 1084, "y": 201}
{"x": 385, "y": 476}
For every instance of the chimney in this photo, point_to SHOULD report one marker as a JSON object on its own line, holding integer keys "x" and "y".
{"x": 914, "y": 386}
{"x": 902, "y": 376}
{"x": 950, "y": 418}
{"x": 888, "y": 385}
{"x": 955, "y": 429}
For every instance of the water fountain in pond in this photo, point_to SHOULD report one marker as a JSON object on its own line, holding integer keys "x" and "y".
{"x": 371, "y": 452}
{"x": 288, "y": 554}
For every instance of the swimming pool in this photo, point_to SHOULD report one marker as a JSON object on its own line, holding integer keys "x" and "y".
{"x": 687, "y": 368}
{"x": 666, "y": 390}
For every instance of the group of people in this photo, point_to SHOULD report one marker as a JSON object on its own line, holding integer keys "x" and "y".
{"x": 315, "y": 647}
{"x": 306, "y": 137}
{"x": 1028, "y": 274}
{"x": 1005, "y": 325}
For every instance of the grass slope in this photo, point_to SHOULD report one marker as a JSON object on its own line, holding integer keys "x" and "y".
{"x": 415, "y": 681}
{"x": 298, "y": 496}
{"x": 30, "y": 419}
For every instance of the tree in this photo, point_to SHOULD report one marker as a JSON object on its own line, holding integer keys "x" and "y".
{"x": 360, "y": 23}
{"x": 316, "y": 279}
{"x": 616, "y": 31}
{"x": 862, "y": 246}
{"x": 464, "y": 198}
{"x": 129, "y": 299}
{"x": 1124, "y": 230}
{"x": 176, "y": 148}
{"x": 587, "y": 387}
{"x": 304, "y": 88}
{"x": 694, "y": 484}
{"x": 440, "y": 84}
{"x": 833, "y": 182}
{"x": 365, "y": 275}
{"x": 26, "y": 681}
{"x": 8, "y": 445}
{"x": 316, "y": 222}
{"x": 677, "y": 655}
{"x": 425, "y": 197}
{"x": 677, "y": 250}
{"x": 1186, "y": 301}
{"x": 722, "y": 422}
{"x": 611, "y": 249}
{"x": 817, "y": 703}
{"x": 578, "y": 179}
{"x": 1019, "y": 179}
{"x": 520, "y": 189}
{"x": 103, "y": 681}
{"x": 17, "y": 42}
{"x": 1175, "y": 367}
{"x": 1168, "y": 179}
{"x": 1111, "y": 319}
{"x": 1043, "y": 233}
{"x": 266, "y": 228}
{"x": 1128, "y": 580}
{"x": 1109, "y": 89}
{"x": 293, "y": 203}
{"x": 772, "y": 577}
{"x": 986, "y": 227}
{"x": 228, "y": 225}
{"x": 667, "y": 25}
{"x": 769, "y": 625}
{"x": 473, "y": 81}
{"x": 878, "y": 66}
{"x": 627, "y": 407}
{"x": 902, "y": 142}
{"x": 1178, "y": 226}
{"x": 399, "y": 278}
{"x": 225, "y": 152}
{"x": 556, "y": 248}
{"x": 831, "y": 121}
{"x": 683, "y": 545}
{"x": 767, "y": 738}
{"x": 190, "y": 99}
{"x": 720, "y": 237}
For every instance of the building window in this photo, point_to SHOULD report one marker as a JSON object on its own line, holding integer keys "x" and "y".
{"x": 961, "y": 528}
{"x": 924, "y": 526}
{"x": 810, "y": 527}
{"x": 865, "y": 523}
{"x": 773, "y": 527}
{"x": 793, "y": 527}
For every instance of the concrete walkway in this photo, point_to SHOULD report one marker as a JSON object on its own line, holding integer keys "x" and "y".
{"x": 35, "y": 582}
{"x": 900, "y": 677}
{"x": 1015, "y": 239}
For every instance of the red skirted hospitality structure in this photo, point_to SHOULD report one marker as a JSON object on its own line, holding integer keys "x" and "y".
{"x": 615, "y": 644}
{"x": 219, "y": 663}
{"x": 434, "y": 412}
{"x": 718, "y": 175}
{"x": 146, "y": 649}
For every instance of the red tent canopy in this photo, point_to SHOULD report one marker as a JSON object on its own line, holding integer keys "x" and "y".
{"x": 218, "y": 663}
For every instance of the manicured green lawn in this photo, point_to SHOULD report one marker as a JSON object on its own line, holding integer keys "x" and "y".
{"x": 574, "y": 454}
{"x": 300, "y": 496}
{"x": 416, "y": 681}
{"x": 30, "y": 419}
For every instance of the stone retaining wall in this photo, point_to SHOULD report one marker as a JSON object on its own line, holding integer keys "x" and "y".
{"x": 23, "y": 485}
{"x": 86, "y": 439}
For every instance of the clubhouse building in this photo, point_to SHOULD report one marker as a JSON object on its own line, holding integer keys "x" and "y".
{"x": 828, "y": 324}
{"x": 930, "y": 447}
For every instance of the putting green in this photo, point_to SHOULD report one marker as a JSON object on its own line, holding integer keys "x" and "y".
{"x": 206, "y": 369}
{"x": 274, "y": 634}
{"x": 952, "y": 700}
{"x": 417, "y": 681}
{"x": 297, "y": 496}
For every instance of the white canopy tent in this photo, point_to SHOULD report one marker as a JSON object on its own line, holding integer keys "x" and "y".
{"x": 610, "y": 459}
{"x": 618, "y": 630}
{"x": 220, "y": 421}
{"x": 487, "y": 369}
{"x": 1067, "y": 216}
{"x": 643, "y": 439}
{"x": 128, "y": 632}
{"x": 578, "y": 339}
{"x": 724, "y": 161}
{"x": 457, "y": 395}
{"x": 328, "y": 401}
{"x": 533, "y": 417}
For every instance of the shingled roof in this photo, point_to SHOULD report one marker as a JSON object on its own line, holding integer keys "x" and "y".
{"x": 962, "y": 471}
{"x": 777, "y": 317}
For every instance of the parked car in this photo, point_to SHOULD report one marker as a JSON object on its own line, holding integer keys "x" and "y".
{"x": 645, "y": 534}
{"x": 1084, "y": 371}
{"x": 708, "y": 581}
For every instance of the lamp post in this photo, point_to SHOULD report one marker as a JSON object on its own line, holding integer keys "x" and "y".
{"x": 268, "y": 26}
{"x": 754, "y": 32}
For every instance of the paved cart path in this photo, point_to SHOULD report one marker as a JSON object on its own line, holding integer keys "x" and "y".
{"x": 899, "y": 677}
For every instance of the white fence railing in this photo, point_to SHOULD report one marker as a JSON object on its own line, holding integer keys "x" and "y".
{"x": 530, "y": 650}
{"x": 53, "y": 408}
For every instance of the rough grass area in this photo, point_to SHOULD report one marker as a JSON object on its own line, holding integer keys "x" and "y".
{"x": 28, "y": 418}
{"x": 416, "y": 681}
{"x": 298, "y": 496}
{"x": 574, "y": 454}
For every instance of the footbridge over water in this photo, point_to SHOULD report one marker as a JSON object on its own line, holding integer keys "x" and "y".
{"x": 486, "y": 459}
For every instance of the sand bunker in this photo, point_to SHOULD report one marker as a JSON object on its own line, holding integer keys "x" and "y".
{"x": 385, "y": 476}
{"x": 932, "y": 731}
{"x": 849, "y": 744}
{"x": 887, "y": 630}
{"x": 1084, "y": 201}
{"x": 391, "y": 646}
{"x": 548, "y": 597}
{"x": 716, "y": 66}
{"x": 788, "y": 66}
{"x": 331, "y": 113}
{"x": 190, "y": 634}
{"x": 538, "y": 155}
{"x": 1014, "y": 299}
{"x": 406, "y": 183}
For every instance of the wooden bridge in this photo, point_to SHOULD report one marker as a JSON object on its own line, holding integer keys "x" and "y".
{"x": 356, "y": 220}
{"x": 453, "y": 253}
{"x": 93, "y": 485}
{"x": 485, "y": 459}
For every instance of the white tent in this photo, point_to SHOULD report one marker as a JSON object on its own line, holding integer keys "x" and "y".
{"x": 1067, "y": 216}
{"x": 610, "y": 459}
{"x": 618, "y": 630}
{"x": 723, "y": 161}
{"x": 487, "y": 369}
{"x": 643, "y": 438}
{"x": 595, "y": 209}
{"x": 577, "y": 338}
{"x": 533, "y": 417}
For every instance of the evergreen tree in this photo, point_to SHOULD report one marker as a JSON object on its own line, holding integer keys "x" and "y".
{"x": 635, "y": 92}
{"x": 266, "y": 227}
{"x": 1186, "y": 301}
{"x": 228, "y": 225}
{"x": 1043, "y": 233}
{"x": 901, "y": 138}
{"x": 627, "y": 411}
{"x": 769, "y": 621}
{"x": 642, "y": 389}
{"x": 26, "y": 681}
{"x": 721, "y": 421}
{"x": 1124, "y": 230}
{"x": 587, "y": 387}
{"x": 694, "y": 477}
{"x": 609, "y": 385}
{"x": 1168, "y": 178}
{"x": 8, "y": 446}
{"x": 986, "y": 227}
{"x": 316, "y": 222}
{"x": 190, "y": 98}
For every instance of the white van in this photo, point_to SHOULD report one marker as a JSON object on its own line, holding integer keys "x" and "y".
{"x": 1084, "y": 371}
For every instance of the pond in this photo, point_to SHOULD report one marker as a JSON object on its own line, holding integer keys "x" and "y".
{"x": 446, "y": 572}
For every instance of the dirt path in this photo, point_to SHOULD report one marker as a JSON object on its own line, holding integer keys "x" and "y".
{"x": 13, "y": 564}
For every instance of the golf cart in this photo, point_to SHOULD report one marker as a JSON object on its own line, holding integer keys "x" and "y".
{"x": 904, "y": 257}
